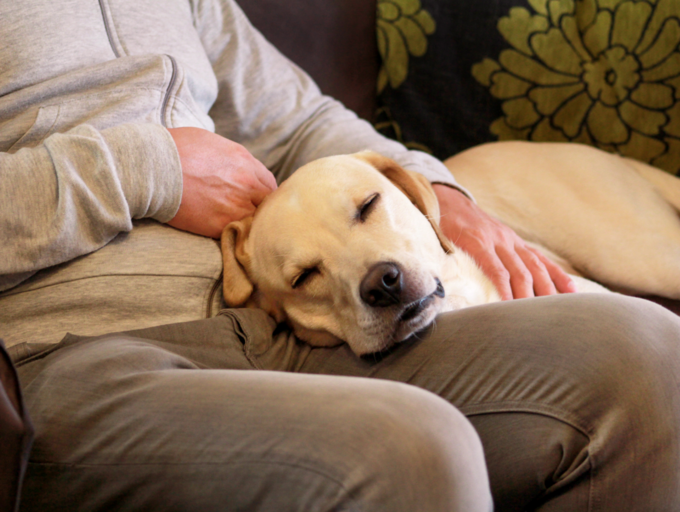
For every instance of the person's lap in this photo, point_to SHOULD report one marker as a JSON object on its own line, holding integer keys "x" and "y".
{"x": 574, "y": 398}
{"x": 170, "y": 418}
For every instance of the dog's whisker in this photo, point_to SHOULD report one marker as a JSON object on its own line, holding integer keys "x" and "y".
{"x": 434, "y": 325}
{"x": 455, "y": 242}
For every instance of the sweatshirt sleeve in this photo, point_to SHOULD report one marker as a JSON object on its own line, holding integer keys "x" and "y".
{"x": 275, "y": 109}
{"x": 77, "y": 190}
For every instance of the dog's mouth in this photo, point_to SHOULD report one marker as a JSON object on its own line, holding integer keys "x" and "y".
{"x": 415, "y": 308}
{"x": 405, "y": 322}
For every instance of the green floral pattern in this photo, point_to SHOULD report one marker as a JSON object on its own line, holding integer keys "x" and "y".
{"x": 402, "y": 30}
{"x": 600, "y": 72}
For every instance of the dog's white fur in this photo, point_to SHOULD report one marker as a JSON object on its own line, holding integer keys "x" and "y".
{"x": 306, "y": 254}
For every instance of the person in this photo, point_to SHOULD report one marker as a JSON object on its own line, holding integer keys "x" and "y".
{"x": 132, "y": 133}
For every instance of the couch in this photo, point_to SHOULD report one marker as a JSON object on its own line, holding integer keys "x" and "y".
{"x": 442, "y": 76}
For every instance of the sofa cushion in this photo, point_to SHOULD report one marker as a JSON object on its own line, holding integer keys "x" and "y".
{"x": 602, "y": 72}
{"x": 334, "y": 41}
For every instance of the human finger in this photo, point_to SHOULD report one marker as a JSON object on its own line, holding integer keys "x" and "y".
{"x": 266, "y": 178}
{"x": 521, "y": 279}
{"x": 542, "y": 280}
{"x": 561, "y": 280}
{"x": 265, "y": 184}
{"x": 494, "y": 269}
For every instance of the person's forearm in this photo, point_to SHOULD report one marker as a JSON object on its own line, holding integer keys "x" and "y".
{"x": 76, "y": 191}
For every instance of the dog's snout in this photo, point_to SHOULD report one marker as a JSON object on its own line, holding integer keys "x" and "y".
{"x": 382, "y": 285}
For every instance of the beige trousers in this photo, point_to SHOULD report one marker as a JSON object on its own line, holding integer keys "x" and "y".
{"x": 575, "y": 400}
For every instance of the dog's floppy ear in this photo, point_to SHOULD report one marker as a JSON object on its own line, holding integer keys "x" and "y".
{"x": 416, "y": 187}
{"x": 237, "y": 287}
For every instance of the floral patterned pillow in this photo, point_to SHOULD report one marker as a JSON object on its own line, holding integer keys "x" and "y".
{"x": 600, "y": 72}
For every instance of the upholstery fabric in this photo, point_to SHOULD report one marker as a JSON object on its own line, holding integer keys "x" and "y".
{"x": 333, "y": 41}
{"x": 600, "y": 72}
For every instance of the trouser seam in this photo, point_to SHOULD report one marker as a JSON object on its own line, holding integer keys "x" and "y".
{"x": 573, "y": 420}
{"x": 244, "y": 334}
{"x": 24, "y": 353}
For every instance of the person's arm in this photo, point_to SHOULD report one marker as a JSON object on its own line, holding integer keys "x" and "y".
{"x": 77, "y": 190}
{"x": 276, "y": 111}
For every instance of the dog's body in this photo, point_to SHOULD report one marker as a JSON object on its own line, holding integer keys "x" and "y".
{"x": 599, "y": 215}
{"x": 349, "y": 249}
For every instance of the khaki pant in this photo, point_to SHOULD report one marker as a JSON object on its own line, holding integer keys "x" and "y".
{"x": 575, "y": 399}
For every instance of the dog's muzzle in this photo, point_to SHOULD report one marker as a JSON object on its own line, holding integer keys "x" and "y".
{"x": 417, "y": 306}
{"x": 383, "y": 286}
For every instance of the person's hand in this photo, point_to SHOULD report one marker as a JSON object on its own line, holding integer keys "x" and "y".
{"x": 222, "y": 182}
{"x": 517, "y": 270}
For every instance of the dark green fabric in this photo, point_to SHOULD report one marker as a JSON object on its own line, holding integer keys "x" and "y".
{"x": 601, "y": 72}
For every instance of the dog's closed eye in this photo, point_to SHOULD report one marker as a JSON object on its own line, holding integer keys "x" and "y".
{"x": 303, "y": 276}
{"x": 367, "y": 207}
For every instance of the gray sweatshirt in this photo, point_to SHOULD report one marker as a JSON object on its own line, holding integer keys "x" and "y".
{"x": 89, "y": 172}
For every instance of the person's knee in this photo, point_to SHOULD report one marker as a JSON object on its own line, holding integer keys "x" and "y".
{"x": 629, "y": 389}
{"x": 614, "y": 352}
{"x": 633, "y": 352}
{"x": 419, "y": 453}
{"x": 603, "y": 370}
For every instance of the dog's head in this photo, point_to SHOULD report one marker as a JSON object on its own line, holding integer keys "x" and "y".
{"x": 347, "y": 249}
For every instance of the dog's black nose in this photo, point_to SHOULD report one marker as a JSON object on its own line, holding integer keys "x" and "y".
{"x": 381, "y": 287}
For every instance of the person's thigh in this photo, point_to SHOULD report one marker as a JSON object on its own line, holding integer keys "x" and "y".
{"x": 157, "y": 420}
{"x": 575, "y": 397}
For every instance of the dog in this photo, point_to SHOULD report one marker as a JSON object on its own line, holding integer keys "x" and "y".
{"x": 349, "y": 248}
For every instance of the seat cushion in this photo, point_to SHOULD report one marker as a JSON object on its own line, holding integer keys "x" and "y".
{"x": 333, "y": 40}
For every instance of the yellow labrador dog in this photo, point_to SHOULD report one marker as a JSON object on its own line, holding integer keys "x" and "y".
{"x": 349, "y": 249}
